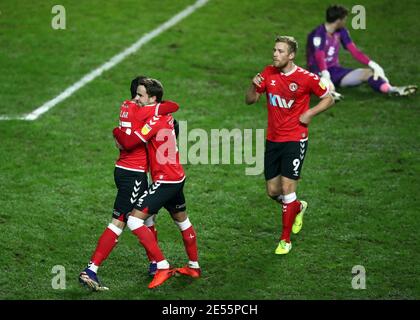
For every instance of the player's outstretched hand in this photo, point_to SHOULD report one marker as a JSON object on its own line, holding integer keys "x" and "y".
{"x": 326, "y": 79}
{"x": 258, "y": 79}
{"x": 336, "y": 96}
{"x": 377, "y": 71}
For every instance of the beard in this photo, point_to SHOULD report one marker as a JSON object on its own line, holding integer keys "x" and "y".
{"x": 280, "y": 64}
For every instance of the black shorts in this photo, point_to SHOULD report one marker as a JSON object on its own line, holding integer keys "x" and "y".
{"x": 167, "y": 195}
{"x": 284, "y": 158}
{"x": 131, "y": 185}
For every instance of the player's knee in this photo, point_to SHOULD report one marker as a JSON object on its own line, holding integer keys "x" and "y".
{"x": 367, "y": 74}
{"x": 273, "y": 196}
{"x": 139, "y": 214}
{"x": 288, "y": 188}
{"x": 183, "y": 224}
{"x": 179, "y": 216}
{"x": 273, "y": 193}
{"x": 118, "y": 223}
{"x": 273, "y": 190}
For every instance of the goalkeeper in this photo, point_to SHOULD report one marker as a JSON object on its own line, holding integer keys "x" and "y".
{"x": 322, "y": 48}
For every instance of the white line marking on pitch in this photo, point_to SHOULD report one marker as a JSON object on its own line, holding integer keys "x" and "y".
{"x": 108, "y": 65}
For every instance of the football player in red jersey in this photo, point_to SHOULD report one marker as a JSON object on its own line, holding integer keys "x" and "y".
{"x": 130, "y": 172}
{"x": 288, "y": 89}
{"x": 166, "y": 191}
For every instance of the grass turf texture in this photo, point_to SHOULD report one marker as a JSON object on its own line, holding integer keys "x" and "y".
{"x": 360, "y": 177}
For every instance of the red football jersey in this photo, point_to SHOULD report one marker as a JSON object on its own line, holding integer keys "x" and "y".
{"x": 159, "y": 134}
{"x": 288, "y": 96}
{"x": 133, "y": 117}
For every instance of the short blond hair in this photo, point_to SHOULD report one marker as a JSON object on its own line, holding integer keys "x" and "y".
{"x": 290, "y": 41}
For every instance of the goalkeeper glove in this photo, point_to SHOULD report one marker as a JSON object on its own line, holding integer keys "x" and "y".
{"x": 326, "y": 78}
{"x": 377, "y": 71}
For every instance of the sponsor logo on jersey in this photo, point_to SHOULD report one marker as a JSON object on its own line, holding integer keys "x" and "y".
{"x": 125, "y": 124}
{"x": 146, "y": 129}
{"x": 277, "y": 101}
{"x": 273, "y": 82}
{"x": 293, "y": 86}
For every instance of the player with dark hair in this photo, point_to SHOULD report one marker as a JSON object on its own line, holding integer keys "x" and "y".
{"x": 166, "y": 191}
{"x": 322, "y": 50}
{"x": 130, "y": 173}
{"x": 133, "y": 90}
{"x": 288, "y": 89}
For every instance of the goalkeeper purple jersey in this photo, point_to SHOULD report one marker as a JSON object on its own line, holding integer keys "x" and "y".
{"x": 319, "y": 39}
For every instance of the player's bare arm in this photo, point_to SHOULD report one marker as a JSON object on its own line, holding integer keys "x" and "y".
{"x": 324, "y": 104}
{"x": 252, "y": 95}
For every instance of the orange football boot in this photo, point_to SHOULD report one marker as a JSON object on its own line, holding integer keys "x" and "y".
{"x": 188, "y": 271}
{"x": 160, "y": 277}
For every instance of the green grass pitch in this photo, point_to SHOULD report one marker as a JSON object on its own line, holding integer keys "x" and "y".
{"x": 360, "y": 177}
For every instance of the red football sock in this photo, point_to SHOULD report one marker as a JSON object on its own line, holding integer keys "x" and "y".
{"x": 190, "y": 243}
{"x": 290, "y": 210}
{"x": 148, "y": 241}
{"x": 106, "y": 243}
{"x": 154, "y": 231}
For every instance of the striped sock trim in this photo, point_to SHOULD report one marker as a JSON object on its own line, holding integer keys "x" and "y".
{"x": 184, "y": 225}
{"x": 134, "y": 223}
{"x": 115, "y": 229}
{"x": 93, "y": 267}
{"x": 163, "y": 264}
{"x": 289, "y": 198}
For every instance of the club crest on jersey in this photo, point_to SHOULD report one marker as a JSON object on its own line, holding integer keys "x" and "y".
{"x": 293, "y": 86}
{"x": 146, "y": 129}
{"x": 317, "y": 41}
{"x": 277, "y": 101}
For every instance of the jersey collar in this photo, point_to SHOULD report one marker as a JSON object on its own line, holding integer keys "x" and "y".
{"x": 290, "y": 72}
